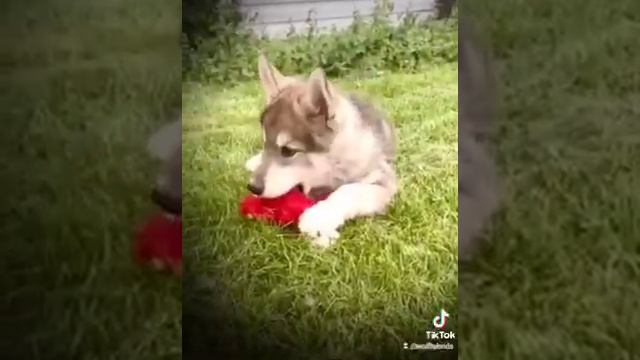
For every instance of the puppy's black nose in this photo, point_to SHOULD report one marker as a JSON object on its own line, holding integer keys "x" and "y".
{"x": 170, "y": 204}
{"x": 256, "y": 190}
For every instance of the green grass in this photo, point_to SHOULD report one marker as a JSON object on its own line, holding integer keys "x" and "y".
{"x": 87, "y": 85}
{"x": 561, "y": 279}
{"x": 272, "y": 291}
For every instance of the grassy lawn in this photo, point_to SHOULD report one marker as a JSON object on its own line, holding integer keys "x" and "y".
{"x": 87, "y": 85}
{"x": 271, "y": 291}
{"x": 562, "y": 280}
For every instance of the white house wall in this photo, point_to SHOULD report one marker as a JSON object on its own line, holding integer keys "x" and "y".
{"x": 276, "y": 18}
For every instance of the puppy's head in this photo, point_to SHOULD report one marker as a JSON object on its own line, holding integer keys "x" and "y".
{"x": 166, "y": 146}
{"x": 298, "y": 127}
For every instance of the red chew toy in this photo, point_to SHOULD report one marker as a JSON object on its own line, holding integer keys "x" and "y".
{"x": 159, "y": 243}
{"x": 283, "y": 211}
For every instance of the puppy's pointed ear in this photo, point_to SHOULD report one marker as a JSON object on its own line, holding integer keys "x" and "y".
{"x": 272, "y": 80}
{"x": 322, "y": 95}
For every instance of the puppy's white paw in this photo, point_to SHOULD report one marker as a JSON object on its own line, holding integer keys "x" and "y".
{"x": 321, "y": 223}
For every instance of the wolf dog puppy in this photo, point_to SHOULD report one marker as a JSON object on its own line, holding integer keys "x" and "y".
{"x": 166, "y": 146}
{"x": 478, "y": 182}
{"x": 317, "y": 137}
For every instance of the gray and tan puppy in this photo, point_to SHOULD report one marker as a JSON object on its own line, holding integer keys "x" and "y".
{"x": 478, "y": 188}
{"x": 317, "y": 137}
{"x": 166, "y": 146}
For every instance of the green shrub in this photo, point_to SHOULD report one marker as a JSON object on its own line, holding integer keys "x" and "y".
{"x": 227, "y": 53}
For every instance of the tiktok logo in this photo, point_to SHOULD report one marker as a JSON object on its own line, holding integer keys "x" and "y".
{"x": 439, "y": 321}
{"x": 438, "y": 339}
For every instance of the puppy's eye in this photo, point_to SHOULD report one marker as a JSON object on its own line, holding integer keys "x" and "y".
{"x": 287, "y": 151}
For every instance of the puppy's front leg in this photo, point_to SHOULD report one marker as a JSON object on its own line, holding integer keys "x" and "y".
{"x": 321, "y": 222}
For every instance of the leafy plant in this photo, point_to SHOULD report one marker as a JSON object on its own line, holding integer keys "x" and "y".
{"x": 226, "y": 52}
